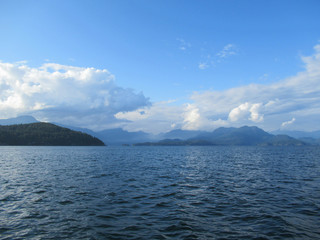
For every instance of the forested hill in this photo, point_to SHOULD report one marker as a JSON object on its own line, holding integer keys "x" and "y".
{"x": 44, "y": 134}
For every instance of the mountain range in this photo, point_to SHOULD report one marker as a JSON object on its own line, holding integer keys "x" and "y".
{"x": 221, "y": 136}
{"x": 243, "y": 136}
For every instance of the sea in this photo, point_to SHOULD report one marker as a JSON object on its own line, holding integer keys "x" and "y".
{"x": 152, "y": 192}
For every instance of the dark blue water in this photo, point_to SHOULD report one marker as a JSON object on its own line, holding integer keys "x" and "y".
{"x": 159, "y": 193}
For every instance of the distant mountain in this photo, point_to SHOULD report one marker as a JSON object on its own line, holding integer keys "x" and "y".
{"x": 236, "y": 136}
{"x": 119, "y": 136}
{"x": 298, "y": 134}
{"x": 311, "y": 141}
{"x": 78, "y": 129}
{"x": 180, "y": 134}
{"x": 283, "y": 140}
{"x": 18, "y": 120}
{"x": 244, "y": 136}
{"x": 176, "y": 142}
{"x": 44, "y": 134}
{"x": 221, "y": 136}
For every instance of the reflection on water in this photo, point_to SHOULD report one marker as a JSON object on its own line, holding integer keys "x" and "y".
{"x": 159, "y": 193}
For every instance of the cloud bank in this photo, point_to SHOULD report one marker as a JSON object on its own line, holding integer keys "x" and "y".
{"x": 85, "y": 97}
{"x": 89, "y": 97}
{"x": 267, "y": 106}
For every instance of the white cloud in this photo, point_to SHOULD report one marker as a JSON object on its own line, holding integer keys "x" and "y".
{"x": 61, "y": 93}
{"x": 183, "y": 44}
{"x": 210, "y": 60}
{"x": 228, "y": 50}
{"x": 255, "y": 116}
{"x": 284, "y": 124}
{"x": 192, "y": 118}
{"x": 203, "y": 65}
{"x": 246, "y": 111}
{"x": 159, "y": 117}
{"x": 163, "y": 117}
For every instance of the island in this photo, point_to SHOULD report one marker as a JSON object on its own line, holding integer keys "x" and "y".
{"x": 44, "y": 134}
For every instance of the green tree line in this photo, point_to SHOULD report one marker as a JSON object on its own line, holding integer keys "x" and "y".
{"x": 44, "y": 134}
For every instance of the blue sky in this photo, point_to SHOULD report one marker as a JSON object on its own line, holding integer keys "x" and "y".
{"x": 160, "y": 65}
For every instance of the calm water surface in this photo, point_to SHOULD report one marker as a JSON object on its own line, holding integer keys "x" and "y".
{"x": 159, "y": 193}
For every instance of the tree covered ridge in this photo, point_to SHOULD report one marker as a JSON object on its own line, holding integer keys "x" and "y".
{"x": 45, "y": 134}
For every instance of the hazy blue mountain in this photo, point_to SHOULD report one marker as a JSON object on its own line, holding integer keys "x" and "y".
{"x": 18, "y": 120}
{"x": 176, "y": 142}
{"x": 180, "y": 134}
{"x": 283, "y": 140}
{"x": 78, "y": 129}
{"x": 115, "y": 136}
{"x": 120, "y": 136}
{"x": 311, "y": 141}
{"x": 244, "y": 136}
{"x": 235, "y": 136}
{"x": 298, "y": 134}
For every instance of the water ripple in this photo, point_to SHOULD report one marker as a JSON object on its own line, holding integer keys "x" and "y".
{"x": 159, "y": 193}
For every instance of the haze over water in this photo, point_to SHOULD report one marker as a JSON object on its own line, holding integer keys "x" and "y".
{"x": 159, "y": 193}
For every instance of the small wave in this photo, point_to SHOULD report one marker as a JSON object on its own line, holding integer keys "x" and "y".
{"x": 112, "y": 194}
{"x": 132, "y": 228}
{"x": 65, "y": 202}
{"x": 40, "y": 191}
{"x": 181, "y": 226}
{"x": 169, "y": 194}
{"x": 4, "y": 229}
{"x": 162, "y": 204}
{"x": 106, "y": 217}
{"x": 139, "y": 196}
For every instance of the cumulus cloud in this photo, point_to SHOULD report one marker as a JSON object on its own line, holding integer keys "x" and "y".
{"x": 68, "y": 94}
{"x": 247, "y": 111}
{"x": 159, "y": 117}
{"x": 166, "y": 116}
{"x": 193, "y": 119}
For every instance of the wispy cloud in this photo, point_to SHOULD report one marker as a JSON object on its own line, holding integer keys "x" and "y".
{"x": 210, "y": 60}
{"x": 284, "y": 124}
{"x": 203, "y": 65}
{"x": 183, "y": 44}
{"x": 228, "y": 50}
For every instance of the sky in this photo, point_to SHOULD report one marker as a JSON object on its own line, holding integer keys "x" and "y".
{"x": 159, "y": 65}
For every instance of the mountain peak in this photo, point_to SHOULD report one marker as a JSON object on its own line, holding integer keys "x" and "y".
{"x": 25, "y": 119}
